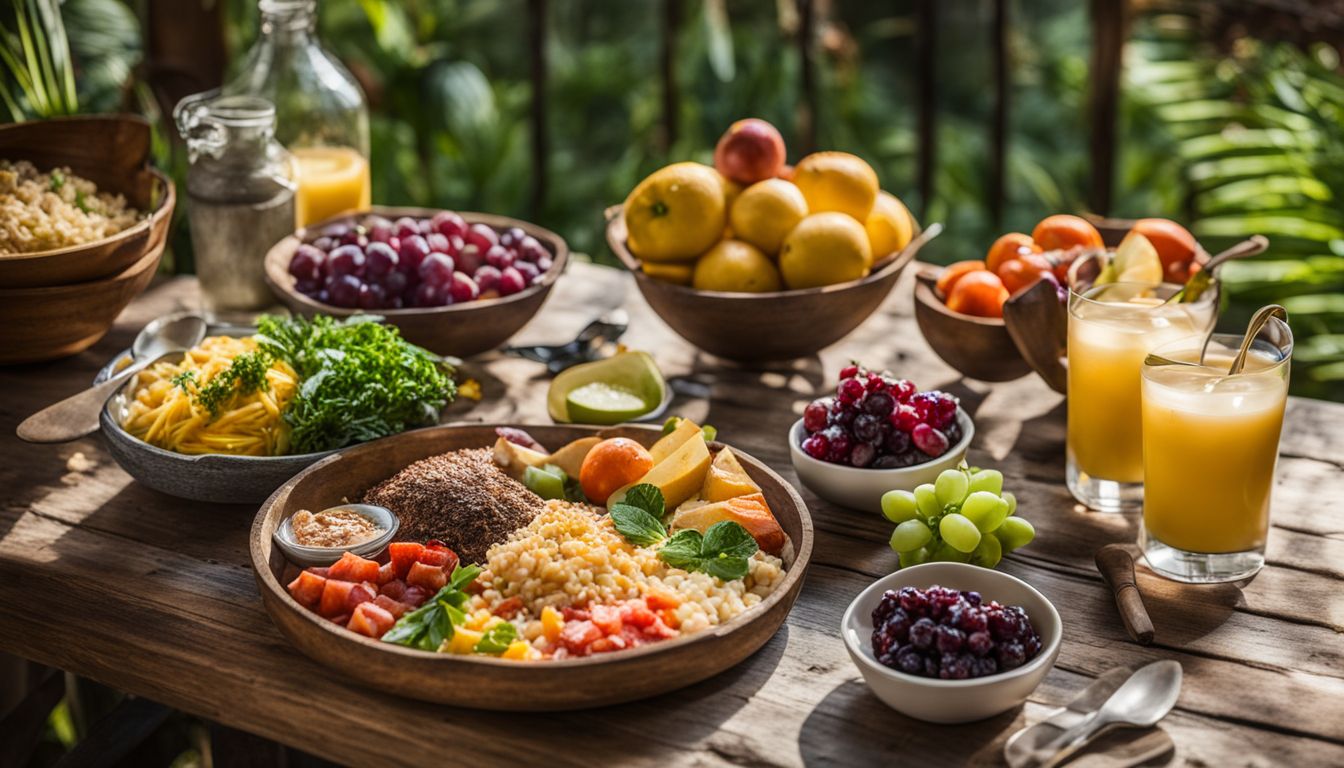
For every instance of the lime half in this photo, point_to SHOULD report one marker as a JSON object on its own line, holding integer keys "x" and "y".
{"x": 601, "y": 403}
{"x": 1135, "y": 261}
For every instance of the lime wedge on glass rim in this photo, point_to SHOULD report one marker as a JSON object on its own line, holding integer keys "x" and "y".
{"x": 1134, "y": 261}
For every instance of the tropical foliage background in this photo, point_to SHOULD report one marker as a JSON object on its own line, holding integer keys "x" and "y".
{"x": 1227, "y": 132}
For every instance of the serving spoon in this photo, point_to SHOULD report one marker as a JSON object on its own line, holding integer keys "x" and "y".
{"x": 77, "y": 415}
{"x": 1145, "y": 698}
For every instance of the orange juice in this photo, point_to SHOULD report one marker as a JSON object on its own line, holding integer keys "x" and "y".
{"x": 331, "y": 180}
{"x": 1108, "y": 338}
{"x": 1210, "y": 442}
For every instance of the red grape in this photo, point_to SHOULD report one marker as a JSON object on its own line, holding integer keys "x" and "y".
{"x": 817, "y": 446}
{"x": 405, "y": 227}
{"x": 510, "y": 282}
{"x": 306, "y": 263}
{"x": 849, "y": 390}
{"x": 379, "y": 260}
{"x": 394, "y": 283}
{"x": 438, "y": 243}
{"x": 343, "y": 290}
{"x": 481, "y": 236}
{"x": 413, "y": 250}
{"x": 528, "y": 270}
{"x": 448, "y": 223}
{"x": 380, "y": 229}
{"x": 470, "y": 258}
{"x": 462, "y": 288}
{"x": 346, "y": 260}
{"x": 904, "y": 418}
{"x": 512, "y": 237}
{"x": 335, "y": 231}
{"x": 816, "y": 415}
{"x": 370, "y": 296}
{"x": 487, "y": 278}
{"x": 903, "y": 390}
{"x": 849, "y": 371}
{"x": 498, "y": 257}
{"x": 544, "y": 264}
{"x": 426, "y": 226}
{"x": 531, "y": 250}
{"x": 436, "y": 270}
{"x": 427, "y": 295}
{"x": 862, "y": 455}
{"x": 355, "y": 236}
{"x": 325, "y": 244}
{"x": 929, "y": 440}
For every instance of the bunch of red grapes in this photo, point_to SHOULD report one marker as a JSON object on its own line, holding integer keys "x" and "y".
{"x": 434, "y": 262}
{"x": 951, "y": 635}
{"x": 878, "y": 421}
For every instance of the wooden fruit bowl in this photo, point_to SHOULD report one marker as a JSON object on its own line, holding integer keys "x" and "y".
{"x": 485, "y": 682}
{"x": 460, "y": 330}
{"x": 112, "y": 151}
{"x": 61, "y": 320}
{"x": 978, "y": 347}
{"x": 778, "y": 325}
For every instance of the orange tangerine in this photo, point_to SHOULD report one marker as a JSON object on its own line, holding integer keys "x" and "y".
{"x": 612, "y": 464}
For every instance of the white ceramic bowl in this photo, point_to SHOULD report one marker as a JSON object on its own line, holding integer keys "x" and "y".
{"x": 320, "y": 556}
{"x": 952, "y": 701}
{"x": 863, "y": 488}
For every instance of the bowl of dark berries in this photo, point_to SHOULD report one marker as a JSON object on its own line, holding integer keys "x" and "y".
{"x": 455, "y": 284}
{"x": 878, "y": 432}
{"x": 951, "y": 642}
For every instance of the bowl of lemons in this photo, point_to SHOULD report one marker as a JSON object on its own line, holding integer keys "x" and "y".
{"x": 752, "y": 259}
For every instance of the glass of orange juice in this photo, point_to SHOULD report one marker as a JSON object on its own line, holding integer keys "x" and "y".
{"x": 1210, "y": 443}
{"x": 331, "y": 180}
{"x": 1112, "y": 327}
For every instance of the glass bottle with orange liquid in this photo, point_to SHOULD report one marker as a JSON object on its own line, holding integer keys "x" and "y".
{"x": 322, "y": 117}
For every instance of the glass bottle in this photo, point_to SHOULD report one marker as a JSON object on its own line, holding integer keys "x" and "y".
{"x": 240, "y": 196}
{"x": 321, "y": 114}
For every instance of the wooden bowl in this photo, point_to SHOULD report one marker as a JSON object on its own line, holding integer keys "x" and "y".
{"x": 978, "y": 347}
{"x": 777, "y": 325}
{"x": 490, "y": 683}
{"x": 57, "y": 321}
{"x": 112, "y": 151}
{"x": 460, "y": 330}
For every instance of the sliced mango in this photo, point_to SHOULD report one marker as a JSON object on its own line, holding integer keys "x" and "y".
{"x": 727, "y": 479}
{"x": 669, "y": 443}
{"x": 751, "y": 512}
{"x": 680, "y": 476}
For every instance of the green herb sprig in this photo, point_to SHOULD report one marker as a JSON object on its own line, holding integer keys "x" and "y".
{"x": 497, "y": 639}
{"x": 245, "y": 375}
{"x": 724, "y": 551}
{"x": 428, "y": 626}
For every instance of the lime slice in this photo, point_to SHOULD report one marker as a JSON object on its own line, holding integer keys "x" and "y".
{"x": 601, "y": 403}
{"x": 633, "y": 373}
{"x": 1135, "y": 261}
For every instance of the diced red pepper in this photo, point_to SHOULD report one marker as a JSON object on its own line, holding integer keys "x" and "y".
{"x": 335, "y": 593}
{"x": 391, "y": 606}
{"x": 402, "y": 554}
{"x": 386, "y": 573}
{"x": 352, "y": 567}
{"x": 361, "y": 593}
{"x": 368, "y": 619}
{"x": 395, "y": 589}
{"x": 430, "y": 577}
{"x": 307, "y": 589}
{"x": 509, "y": 608}
{"x": 435, "y": 557}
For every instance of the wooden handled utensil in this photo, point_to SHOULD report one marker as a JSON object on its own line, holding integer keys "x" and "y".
{"x": 1117, "y": 567}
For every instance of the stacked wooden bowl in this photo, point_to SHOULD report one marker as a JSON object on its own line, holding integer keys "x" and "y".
{"x": 58, "y": 302}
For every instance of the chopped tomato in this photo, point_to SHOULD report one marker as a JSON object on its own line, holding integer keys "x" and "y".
{"x": 360, "y": 593}
{"x": 341, "y": 619}
{"x": 607, "y": 618}
{"x": 323, "y": 571}
{"x": 658, "y": 600}
{"x": 307, "y": 589}
{"x": 509, "y": 608}
{"x": 335, "y": 593}
{"x": 415, "y": 595}
{"x": 386, "y": 573}
{"x": 611, "y": 627}
{"x": 395, "y": 589}
{"x": 430, "y": 577}
{"x": 403, "y": 554}
{"x": 352, "y": 567}
{"x": 391, "y": 606}
{"x": 368, "y": 619}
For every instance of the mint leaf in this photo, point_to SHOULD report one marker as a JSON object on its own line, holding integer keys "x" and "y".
{"x": 497, "y": 639}
{"x": 726, "y": 567}
{"x": 462, "y": 576}
{"x": 647, "y": 497}
{"x": 682, "y": 550}
{"x": 636, "y": 525}
{"x": 728, "y": 538}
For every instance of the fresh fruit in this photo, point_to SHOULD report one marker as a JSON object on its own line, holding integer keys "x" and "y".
{"x": 1022, "y": 272}
{"x": 950, "y": 634}
{"x": 824, "y": 249}
{"x": 676, "y": 213}
{"x": 953, "y": 272}
{"x": 765, "y": 213}
{"x": 727, "y": 478}
{"x": 751, "y": 512}
{"x": 1007, "y": 248}
{"x": 890, "y": 226}
{"x": 679, "y": 476}
{"x": 735, "y": 266}
{"x": 668, "y": 444}
{"x": 1064, "y": 231}
{"x": 633, "y": 372}
{"x": 569, "y": 457}
{"x": 598, "y": 402}
{"x": 966, "y": 517}
{"x": 611, "y": 464}
{"x": 677, "y": 273}
{"x": 1175, "y": 246}
{"x": 837, "y": 181}
{"x": 751, "y": 150}
{"x": 978, "y": 293}
{"x": 546, "y": 484}
{"x": 1134, "y": 261}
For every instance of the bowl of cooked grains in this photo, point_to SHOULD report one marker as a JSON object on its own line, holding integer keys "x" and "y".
{"x": 83, "y": 223}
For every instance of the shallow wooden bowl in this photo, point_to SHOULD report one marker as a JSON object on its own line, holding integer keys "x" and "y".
{"x": 47, "y": 323}
{"x": 460, "y": 330}
{"x": 498, "y": 684}
{"x": 778, "y": 325}
{"x": 112, "y": 151}
{"x": 978, "y": 347}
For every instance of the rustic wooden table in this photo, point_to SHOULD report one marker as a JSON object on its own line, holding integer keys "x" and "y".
{"x": 154, "y": 595}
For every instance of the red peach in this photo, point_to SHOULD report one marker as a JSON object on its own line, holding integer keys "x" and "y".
{"x": 751, "y": 150}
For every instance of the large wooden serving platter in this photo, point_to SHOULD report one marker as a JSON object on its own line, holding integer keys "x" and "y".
{"x": 490, "y": 683}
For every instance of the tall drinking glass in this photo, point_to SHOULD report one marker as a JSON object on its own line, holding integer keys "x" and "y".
{"x": 1210, "y": 443}
{"x": 1112, "y": 327}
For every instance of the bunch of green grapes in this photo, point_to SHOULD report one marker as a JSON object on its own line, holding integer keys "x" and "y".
{"x": 964, "y": 516}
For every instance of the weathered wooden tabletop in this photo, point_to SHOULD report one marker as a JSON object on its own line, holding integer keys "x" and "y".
{"x": 155, "y": 596}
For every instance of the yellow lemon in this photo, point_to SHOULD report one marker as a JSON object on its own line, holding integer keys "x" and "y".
{"x": 890, "y": 226}
{"x": 765, "y": 212}
{"x": 675, "y": 272}
{"x": 676, "y": 213}
{"x": 733, "y": 265}
{"x": 824, "y": 249}
{"x": 837, "y": 181}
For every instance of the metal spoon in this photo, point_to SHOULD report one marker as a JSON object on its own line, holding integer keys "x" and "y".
{"x": 1145, "y": 698}
{"x": 1201, "y": 280}
{"x": 77, "y": 415}
{"x": 1258, "y": 321}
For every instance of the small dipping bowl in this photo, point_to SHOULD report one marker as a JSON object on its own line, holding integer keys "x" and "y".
{"x": 320, "y": 556}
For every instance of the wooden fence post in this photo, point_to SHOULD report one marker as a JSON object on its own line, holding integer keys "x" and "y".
{"x": 1108, "y": 43}
{"x": 807, "y": 107}
{"x": 671, "y": 30}
{"x": 928, "y": 101}
{"x": 536, "y": 32}
{"x": 998, "y": 145}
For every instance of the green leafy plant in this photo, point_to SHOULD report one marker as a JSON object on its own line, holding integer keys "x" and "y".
{"x": 39, "y": 72}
